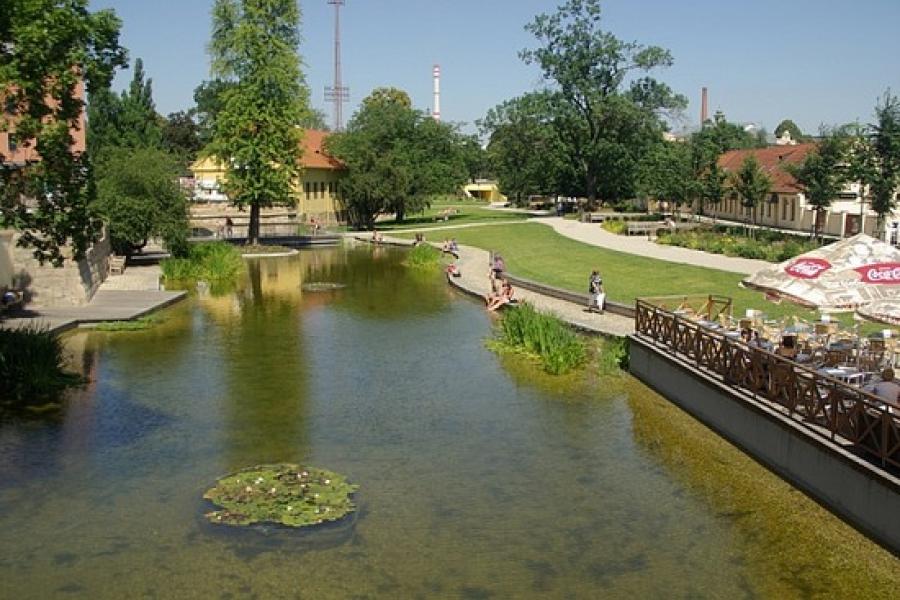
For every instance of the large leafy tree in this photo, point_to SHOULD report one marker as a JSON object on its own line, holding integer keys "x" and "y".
{"x": 181, "y": 136}
{"x": 254, "y": 47}
{"x": 208, "y": 101}
{"x": 790, "y": 127}
{"x": 885, "y": 157}
{"x": 604, "y": 105}
{"x": 667, "y": 173}
{"x": 524, "y": 150}
{"x": 140, "y": 197}
{"x": 751, "y": 184}
{"x": 47, "y": 49}
{"x": 822, "y": 175}
{"x": 396, "y": 159}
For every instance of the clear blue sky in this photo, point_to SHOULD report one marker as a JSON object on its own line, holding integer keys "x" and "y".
{"x": 809, "y": 60}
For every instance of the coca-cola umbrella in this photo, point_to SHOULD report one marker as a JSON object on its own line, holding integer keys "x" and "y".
{"x": 839, "y": 277}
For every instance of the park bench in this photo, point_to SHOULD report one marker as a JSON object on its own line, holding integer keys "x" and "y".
{"x": 589, "y": 217}
{"x": 645, "y": 227}
{"x": 116, "y": 265}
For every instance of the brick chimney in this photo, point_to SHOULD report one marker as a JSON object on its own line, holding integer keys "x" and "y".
{"x": 704, "y": 106}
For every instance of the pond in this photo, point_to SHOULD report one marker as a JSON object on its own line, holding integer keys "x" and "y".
{"x": 479, "y": 475}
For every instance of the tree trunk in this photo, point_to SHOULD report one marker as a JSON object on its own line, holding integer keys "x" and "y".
{"x": 401, "y": 214}
{"x": 253, "y": 225}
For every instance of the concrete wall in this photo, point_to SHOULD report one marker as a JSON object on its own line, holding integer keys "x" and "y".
{"x": 73, "y": 284}
{"x": 865, "y": 496}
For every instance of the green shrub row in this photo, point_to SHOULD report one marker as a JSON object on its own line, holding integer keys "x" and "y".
{"x": 764, "y": 247}
{"x": 546, "y": 336}
{"x": 213, "y": 262}
{"x": 32, "y": 367}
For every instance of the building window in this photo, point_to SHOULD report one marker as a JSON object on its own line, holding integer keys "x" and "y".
{"x": 13, "y": 142}
{"x": 9, "y": 105}
{"x": 306, "y": 189}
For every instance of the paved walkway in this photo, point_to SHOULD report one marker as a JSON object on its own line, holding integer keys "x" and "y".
{"x": 125, "y": 297}
{"x": 473, "y": 263}
{"x": 595, "y": 235}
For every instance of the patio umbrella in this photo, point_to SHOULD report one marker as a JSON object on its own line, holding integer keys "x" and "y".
{"x": 839, "y": 277}
{"x": 882, "y": 311}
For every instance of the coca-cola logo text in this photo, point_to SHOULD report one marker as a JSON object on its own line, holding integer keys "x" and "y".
{"x": 808, "y": 268}
{"x": 883, "y": 273}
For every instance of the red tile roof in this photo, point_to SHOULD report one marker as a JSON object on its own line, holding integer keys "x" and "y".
{"x": 314, "y": 156}
{"x": 771, "y": 161}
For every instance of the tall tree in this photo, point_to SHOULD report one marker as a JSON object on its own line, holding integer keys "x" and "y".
{"x": 667, "y": 173}
{"x": 885, "y": 148}
{"x": 752, "y": 185}
{"x": 254, "y": 45}
{"x": 46, "y": 50}
{"x": 604, "y": 111}
{"x": 822, "y": 175}
{"x": 523, "y": 148}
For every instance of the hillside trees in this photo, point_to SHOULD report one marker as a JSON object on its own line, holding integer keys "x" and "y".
{"x": 47, "y": 49}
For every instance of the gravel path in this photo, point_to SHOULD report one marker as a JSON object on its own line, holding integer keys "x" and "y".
{"x": 595, "y": 235}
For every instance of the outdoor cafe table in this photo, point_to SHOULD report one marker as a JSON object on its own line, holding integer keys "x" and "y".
{"x": 847, "y": 375}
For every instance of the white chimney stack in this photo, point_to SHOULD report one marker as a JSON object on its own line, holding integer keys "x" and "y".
{"x": 437, "y": 93}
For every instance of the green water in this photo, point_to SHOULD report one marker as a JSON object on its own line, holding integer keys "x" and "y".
{"x": 480, "y": 477}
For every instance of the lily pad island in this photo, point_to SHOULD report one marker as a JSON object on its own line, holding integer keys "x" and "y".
{"x": 284, "y": 494}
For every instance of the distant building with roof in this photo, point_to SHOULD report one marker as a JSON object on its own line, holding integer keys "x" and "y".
{"x": 787, "y": 206}
{"x": 317, "y": 192}
{"x": 484, "y": 189}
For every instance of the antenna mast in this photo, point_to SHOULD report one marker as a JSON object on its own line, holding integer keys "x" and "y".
{"x": 337, "y": 93}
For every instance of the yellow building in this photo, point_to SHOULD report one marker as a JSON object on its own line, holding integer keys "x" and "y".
{"x": 317, "y": 193}
{"x": 484, "y": 189}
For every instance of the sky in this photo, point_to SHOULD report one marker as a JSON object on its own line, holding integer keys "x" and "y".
{"x": 763, "y": 60}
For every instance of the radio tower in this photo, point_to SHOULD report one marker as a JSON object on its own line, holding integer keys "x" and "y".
{"x": 337, "y": 93}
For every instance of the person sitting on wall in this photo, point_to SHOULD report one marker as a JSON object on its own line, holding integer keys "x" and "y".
{"x": 889, "y": 390}
{"x": 454, "y": 247}
{"x": 505, "y": 296}
{"x": 453, "y": 270}
{"x": 377, "y": 237}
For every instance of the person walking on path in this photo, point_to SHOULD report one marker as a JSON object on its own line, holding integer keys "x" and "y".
{"x": 595, "y": 290}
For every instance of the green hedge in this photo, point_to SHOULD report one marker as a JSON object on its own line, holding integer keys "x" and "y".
{"x": 770, "y": 246}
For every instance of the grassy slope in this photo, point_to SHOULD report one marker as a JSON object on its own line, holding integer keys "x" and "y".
{"x": 537, "y": 252}
{"x": 467, "y": 213}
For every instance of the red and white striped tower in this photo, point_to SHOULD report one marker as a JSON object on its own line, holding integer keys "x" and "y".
{"x": 436, "y": 72}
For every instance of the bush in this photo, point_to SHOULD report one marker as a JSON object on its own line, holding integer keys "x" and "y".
{"x": 613, "y": 355}
{"x": 214, "y": 262}
{"x": 616, "y": 227}
{"x": 32, "y": 366}
{"x": 423, "y": 256}
{"x": 772, "y": 246}
{"x": 546, "y": 336}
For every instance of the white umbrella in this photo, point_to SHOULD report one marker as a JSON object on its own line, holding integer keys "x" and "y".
{"x": 842, "y": 276}
{"x": 882, "y": 311}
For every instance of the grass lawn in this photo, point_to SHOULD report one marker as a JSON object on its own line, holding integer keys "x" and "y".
{"x": 463, "y": 213}
{"x": 537, "y": 252}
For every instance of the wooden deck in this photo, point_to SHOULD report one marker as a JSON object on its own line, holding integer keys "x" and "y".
{"x": 106, "y": 305}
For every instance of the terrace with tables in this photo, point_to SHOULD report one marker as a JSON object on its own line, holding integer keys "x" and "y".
{"x": 816, "y": 372}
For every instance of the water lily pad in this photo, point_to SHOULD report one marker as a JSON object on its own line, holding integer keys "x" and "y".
{"x": 322, "y": 286}
{"x": 283, "y": 494}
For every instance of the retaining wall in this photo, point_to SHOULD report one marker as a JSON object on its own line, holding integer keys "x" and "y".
{"x": 862, "y": 494}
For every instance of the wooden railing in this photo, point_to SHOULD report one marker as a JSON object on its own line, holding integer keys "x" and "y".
{"x": 824, "y": 405}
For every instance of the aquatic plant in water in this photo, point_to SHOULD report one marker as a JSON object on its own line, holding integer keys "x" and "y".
{"x": 525, "y": 329}
{"x": 423, "y": 256}
{"x": 214, "y": 262}
{"x": 283, "y": 494}
{"x": 32, "y": 366}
